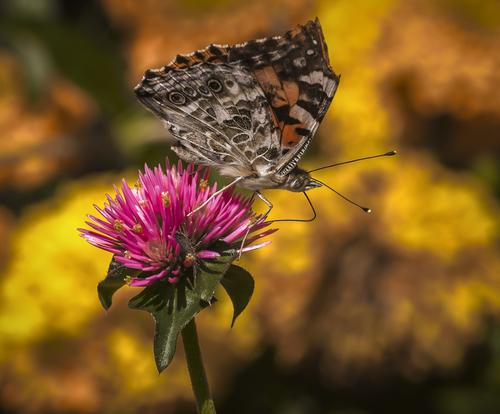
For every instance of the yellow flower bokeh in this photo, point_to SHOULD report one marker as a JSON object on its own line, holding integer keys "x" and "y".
{"x": 52, "y": 269}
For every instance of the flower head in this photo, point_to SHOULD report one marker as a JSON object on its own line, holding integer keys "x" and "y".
{"x": 149, "y": 227}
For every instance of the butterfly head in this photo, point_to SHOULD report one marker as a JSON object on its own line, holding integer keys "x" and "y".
{"x": 299, "y": 180}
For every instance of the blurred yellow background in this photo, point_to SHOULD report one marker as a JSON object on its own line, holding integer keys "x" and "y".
{"x": 393, "y": 312}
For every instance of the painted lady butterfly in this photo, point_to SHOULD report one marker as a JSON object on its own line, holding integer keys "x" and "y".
{"x": 250, "y": 110}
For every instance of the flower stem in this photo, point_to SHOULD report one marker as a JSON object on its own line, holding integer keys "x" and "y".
{"x": 197, "y": 374}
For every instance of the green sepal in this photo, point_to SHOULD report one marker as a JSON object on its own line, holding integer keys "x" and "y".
{"x": 115, "y": 279}
{"x": 174, "y": 305}
{"x": 239, "y": 285}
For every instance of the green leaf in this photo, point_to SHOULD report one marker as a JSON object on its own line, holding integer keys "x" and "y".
{"x": 154, "y": 298}
{"x": 173, "y": 306}
{"x": 114, "y": 280}
{"x": 210, "y": 273}
{"x": 239, "y": 285}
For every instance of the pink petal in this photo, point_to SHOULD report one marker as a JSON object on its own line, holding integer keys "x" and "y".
{"x": 207, "y": 254}
{"x": 256, "y": 246}
{"x": 136, "y": 281}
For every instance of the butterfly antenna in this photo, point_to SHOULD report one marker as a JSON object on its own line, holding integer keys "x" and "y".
{"x": 385, "y": 154}
{"x": 365, "y": 209}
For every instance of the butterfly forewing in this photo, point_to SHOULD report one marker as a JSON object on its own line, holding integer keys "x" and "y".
{"x": 298, "y": 81}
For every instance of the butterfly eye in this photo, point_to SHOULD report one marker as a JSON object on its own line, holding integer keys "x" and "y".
{"x": 214, "y": 85}
{"x": 297, "y": 184}
{"x": 189, "y": 91}
{"x": 176, "y": 98}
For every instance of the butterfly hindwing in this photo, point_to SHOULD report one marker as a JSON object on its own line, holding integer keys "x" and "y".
{"x": 217, "y": 113}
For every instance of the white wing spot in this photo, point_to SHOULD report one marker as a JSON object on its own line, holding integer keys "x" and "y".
{"x": 300, "y": 62}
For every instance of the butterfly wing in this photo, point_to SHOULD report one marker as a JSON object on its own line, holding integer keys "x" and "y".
{"x": 275, "y": 92}
{"x": 217, "y": 113}
{"x": 295, "y": 74}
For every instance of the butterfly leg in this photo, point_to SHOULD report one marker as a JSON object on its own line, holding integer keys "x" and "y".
{"x": 269, "y": 208}
{"x": 266, "y": 202}
{"x": 240, "y": 251}
{"x": 232, "y": 183}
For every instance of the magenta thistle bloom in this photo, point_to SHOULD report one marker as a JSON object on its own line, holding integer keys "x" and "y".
{"x": 147, "y": 227}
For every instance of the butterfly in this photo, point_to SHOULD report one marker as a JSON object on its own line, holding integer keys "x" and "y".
{"x": 250, "y": 110}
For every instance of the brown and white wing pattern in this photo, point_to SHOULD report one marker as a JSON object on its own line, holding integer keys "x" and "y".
{"x": 217, "y": 113}
{"x": 295, "y": 74}
{"x": 251, "y": 108}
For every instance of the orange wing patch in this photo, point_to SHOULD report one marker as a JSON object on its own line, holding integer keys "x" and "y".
{"x": 292, "y": 92}
{"x": 290, "y": 136}
{"x": 212, "y": 53}
{"x": 271, "y": 85}
{"x": 282, "y": 95}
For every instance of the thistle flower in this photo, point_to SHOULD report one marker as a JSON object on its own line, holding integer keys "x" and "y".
{"x": 149, "y": 227}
